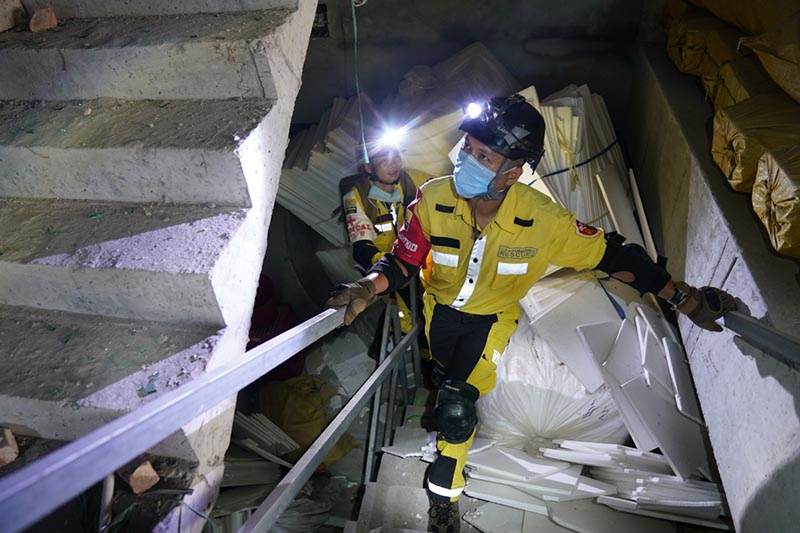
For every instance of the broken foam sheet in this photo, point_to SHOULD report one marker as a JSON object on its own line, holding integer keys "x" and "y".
{"x": 504, "y": 495}
{"x": 629, "y": 506}
{"x": 589, "y": 304}
{"x": 682, "y": 383}
{"x": 624, "y": 364}
{"x": 563, "y": 483}
{"x": 680, "y": 439}
{"x": 586, "y": 516}
{"x": 509, "y": 464}
{"x": 599, "y": 338}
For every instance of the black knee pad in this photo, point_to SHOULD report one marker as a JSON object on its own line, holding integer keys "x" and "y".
{"x": 455, "y": 411}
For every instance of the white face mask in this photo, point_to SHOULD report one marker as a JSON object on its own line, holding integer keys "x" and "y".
{"x": 379, "y": 195}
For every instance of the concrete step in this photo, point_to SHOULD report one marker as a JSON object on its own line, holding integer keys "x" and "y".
{"x": 64, "y": 374}
{"x": 176, "y": 151}
{"x": 204, "y": 56}
{"x": 110, "y": 8}
{"x": 132, "y": 261}
{"x": 401, "y": 472}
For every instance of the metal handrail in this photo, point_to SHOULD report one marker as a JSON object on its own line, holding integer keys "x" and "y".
{"x": 36, "y": 490}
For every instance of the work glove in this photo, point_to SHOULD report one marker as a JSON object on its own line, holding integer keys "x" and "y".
{"x": 705, "y": 305}
{"x": 356, "y": 296}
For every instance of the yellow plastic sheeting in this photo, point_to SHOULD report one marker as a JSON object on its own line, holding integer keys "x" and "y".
{"x": 751, "y": 16}
{"x": 675, "y": 9}
{"x": 686, "y": 40}
{"x": 779, "y": 52}
{"x": 776, "y": 198}
{"x": 722, "y": 46}
{"x": 297, "y": 406}
{"x": 739, "y": 80}
{"x": 743, "y": 132}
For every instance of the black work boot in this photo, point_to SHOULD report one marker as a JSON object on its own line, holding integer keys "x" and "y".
{"x": 443, "y": 516}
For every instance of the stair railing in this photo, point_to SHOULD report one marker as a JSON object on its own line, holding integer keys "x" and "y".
{"x": 34, "y": 491}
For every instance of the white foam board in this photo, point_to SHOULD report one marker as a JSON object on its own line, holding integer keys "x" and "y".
{"x": 628, "y": 506}
{"x": 680, "y": 439}
{"x": 586, "y": 488}
{"x": 657, "y": 322}
{"x": 408, "y": 443}
{"x": 623, "y": 364}
{"x": 561, "y": 483}
{"x": 610, "y": 182}
{"x": 537, "y": 466}
{"x": 654, "y": 360}
{"x": 504, "y": 495}
{"x": 598, "y": 339}
{"x": 589, "y": 304}
{"x": 586, "y": 516}
{"x": 681, "y": 380}
{"x": 709, "y": 510}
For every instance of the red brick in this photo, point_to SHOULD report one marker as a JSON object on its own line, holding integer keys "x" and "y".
{"x": 11, "y": 13}
{"x": 8, "y": 447}
{"x": 43, "y": 19}
{"x": 143, "y": 478}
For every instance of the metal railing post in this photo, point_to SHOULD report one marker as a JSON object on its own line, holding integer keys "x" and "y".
{"x": 376, "y": 400}
{"x": 417, "y": 361}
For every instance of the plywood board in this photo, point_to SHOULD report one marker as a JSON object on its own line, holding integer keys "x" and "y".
{"x": 585, "y": 516}
{"x": 682, "y": 383}
{"x": 680, "y": 439}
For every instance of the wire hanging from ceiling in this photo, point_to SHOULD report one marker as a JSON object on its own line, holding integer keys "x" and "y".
{"x": 353, "y": 5}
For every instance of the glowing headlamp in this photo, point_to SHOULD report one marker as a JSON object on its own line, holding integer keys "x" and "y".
{"x": 392, "y": 137}
{"x": 474, "y": 110}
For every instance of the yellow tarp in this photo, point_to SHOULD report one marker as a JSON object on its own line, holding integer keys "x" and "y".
{"x": 776, "y": 198}
{"x": 722, "y": 47}
{"x": 297, "y": 406}
{"x": 739, "y": 80}
{"x": 686, "y": 40}
{"x": 751, "y": 16}
{"x": 779, "y": 52}
{"x": 743, "y": 132}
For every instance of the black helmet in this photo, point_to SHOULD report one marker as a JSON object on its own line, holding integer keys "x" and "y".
{"x": 510, "y": 126}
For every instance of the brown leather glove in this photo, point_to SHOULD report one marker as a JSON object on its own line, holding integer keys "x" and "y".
{"x": 705, "y": 305}
{"x": 356, "y": 296}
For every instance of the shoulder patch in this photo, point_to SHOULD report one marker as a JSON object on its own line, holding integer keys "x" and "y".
{"x": 584, "y": 230}
{"x": 445, "y": 208}
{"x": 525, "y": 223}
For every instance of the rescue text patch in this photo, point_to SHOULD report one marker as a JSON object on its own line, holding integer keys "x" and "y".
{"x": 506, "y": 252}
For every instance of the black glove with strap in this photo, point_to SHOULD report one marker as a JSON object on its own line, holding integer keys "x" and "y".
{"x": 356, "y": 296}
{"x": 705, "y": 305}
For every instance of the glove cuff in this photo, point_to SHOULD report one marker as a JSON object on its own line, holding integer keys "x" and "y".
{"x": 691, "y": 302}
{"x": 369, "y": 286}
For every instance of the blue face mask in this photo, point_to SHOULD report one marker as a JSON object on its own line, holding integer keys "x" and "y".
{"x": 379, "y": 195}
{"x": 472, "y": 179}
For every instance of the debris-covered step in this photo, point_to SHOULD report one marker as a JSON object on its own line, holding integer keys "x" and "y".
{"x": 141, "y": 262}
{"x": 161, "y": 150}
{"x": 206, "y": 55}
{"x": 64, "y": 374}
{"x": 106, "y": 8}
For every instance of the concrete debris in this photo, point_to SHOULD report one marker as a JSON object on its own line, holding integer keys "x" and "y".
{"x": 11, "y": 12}
{"x": 43, "y": 19}
{"x": 9, "y": 451}
{"x": 142, "y": 478}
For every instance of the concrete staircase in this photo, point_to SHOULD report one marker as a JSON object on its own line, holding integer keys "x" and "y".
{"x": 140, "y": 149}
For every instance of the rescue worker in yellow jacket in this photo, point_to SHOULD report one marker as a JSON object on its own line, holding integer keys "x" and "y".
{"x": 375, "y": 203}
{"x": 481, "y": 240}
